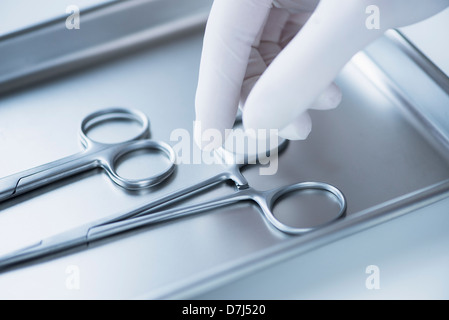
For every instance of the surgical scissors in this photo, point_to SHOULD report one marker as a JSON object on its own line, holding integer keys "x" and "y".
{"x": 151, "y": 213}
{"x": 95, "y": 154}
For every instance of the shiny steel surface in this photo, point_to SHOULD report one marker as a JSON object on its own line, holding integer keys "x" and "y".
{"x": 369, "y": 148}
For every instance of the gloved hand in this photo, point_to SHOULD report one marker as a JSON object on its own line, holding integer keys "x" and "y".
{"x": 277, "y": 60}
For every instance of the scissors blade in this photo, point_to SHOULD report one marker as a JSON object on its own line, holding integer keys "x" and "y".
{"x": 8, "y": 187}
{"x": 30, "y": 179}
{"x": 46, "y": 247}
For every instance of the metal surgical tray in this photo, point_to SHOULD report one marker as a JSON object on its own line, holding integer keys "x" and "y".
{"x": 385, "y": 147}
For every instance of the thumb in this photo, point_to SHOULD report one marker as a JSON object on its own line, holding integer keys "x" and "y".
{"x": 308, "y": 65}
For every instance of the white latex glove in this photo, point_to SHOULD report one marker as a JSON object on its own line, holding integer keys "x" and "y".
{"x": 279, "y": 60}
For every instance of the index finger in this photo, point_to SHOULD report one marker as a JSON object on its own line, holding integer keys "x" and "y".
{"x": 232, "y": 28}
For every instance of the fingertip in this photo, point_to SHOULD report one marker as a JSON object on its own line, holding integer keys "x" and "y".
{"x": 208, "y": 139}
{"x": 211, "y": 127}
{"x": 299, "y": 129}
{"x": 329, "y": 99}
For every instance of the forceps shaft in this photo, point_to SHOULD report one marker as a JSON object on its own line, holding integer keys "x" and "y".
{"x": 264, "y": 199}
{"x": 146, "y": 216}
{"x": 80, "y": 236}
{"x": 110, "y": 229}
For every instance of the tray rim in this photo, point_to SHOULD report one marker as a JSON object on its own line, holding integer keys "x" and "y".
{"x": 287, "y": 249}
{"x": 73, "y": 54}
{"x": 356, "y": 222}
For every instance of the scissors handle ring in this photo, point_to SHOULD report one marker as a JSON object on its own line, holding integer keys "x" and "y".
{"x": 110, "y": 156}
{"x": 114, "y": 113}
{"x": 135, "y": 184}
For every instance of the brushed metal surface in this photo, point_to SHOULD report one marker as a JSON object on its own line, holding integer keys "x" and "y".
{"x": 367, "y": 147}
